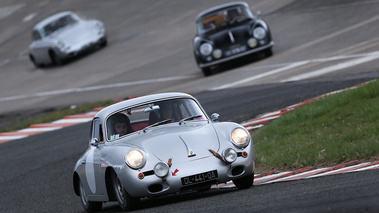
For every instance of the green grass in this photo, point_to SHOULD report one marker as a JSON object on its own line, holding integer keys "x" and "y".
{"x": 56, "y": 115}
{"x": 336, "y": 129}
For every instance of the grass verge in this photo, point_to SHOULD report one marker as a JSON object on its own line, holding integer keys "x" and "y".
{"x": 335, "y": 129}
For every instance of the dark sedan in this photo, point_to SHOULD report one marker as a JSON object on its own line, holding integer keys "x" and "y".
{"x": 227, "y": 32}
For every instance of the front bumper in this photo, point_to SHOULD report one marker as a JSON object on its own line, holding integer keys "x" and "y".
{"x": 151, "y": 185}
{"x": 81, "y": 48}
{"x": 226, "y": 59}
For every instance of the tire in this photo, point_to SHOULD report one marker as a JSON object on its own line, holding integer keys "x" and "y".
{"x": 244, "y": 182}
{"x": 55, "y": 59}
{"x": 268, "y": 53}
{"x": 206, "y": 71}
{"x": 125, "y": 201}
{"x": 104, "y": 43}
{"x": 33, "y": 60}
{"x": 89, "y": 206}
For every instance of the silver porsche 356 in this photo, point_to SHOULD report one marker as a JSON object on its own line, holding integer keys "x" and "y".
{"x": 63, "y": 36}
{"x": 157, "y": 145}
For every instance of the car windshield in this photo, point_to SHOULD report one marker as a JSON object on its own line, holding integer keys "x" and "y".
{"x": 58, "y": 24}
{"x": 153, "y": 114}
{"x": 223, "y": 17}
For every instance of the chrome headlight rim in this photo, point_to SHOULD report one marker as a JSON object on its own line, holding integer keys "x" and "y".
{"x": 259, "y": 33}
{"x": 135, "y": 159}
{"x": 240, "y": 137}
{"x": 229, "y": 155}
{"x": 161, "y": 169}
{"x": 206, "y": 49}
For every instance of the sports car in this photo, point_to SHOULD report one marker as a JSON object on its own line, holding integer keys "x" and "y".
{"x": 157, "y": 145}
{"x": 227, "y": 32}
{"x": 63, "y": 36}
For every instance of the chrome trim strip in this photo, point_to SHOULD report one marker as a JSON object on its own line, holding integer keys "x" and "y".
{"x": 190, "y": 151}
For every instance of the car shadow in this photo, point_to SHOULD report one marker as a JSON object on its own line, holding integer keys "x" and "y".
{"x": 148, "y": 203}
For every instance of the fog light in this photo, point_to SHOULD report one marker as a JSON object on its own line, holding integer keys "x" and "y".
{"x": 217, "y": 53}
{"x": 252, "y": 42}
{"x": 230, "y": 155}
{"x": 161, "y": 169}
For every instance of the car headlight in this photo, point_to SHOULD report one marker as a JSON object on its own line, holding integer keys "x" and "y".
{"x": 135, "y": 159}
{"x": 206, "y": 49}
{"x": 240, "y": 137}
{"x": 61, "y": 45}
{"x": 230, "y": 155}
{"x": 259, "y": 33}
{"x": 161, "y": 169}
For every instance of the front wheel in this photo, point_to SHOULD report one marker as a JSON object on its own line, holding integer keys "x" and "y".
{"x": 244, "y": 182}
{"x": 55, "y": 59}
{"x": 33, "y": 60}
{"x": 125, "y": 201}
{"x": 206, "y": 71}
{"x": 89, "y": 206}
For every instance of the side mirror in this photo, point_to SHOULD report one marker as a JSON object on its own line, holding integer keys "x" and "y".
{"x": 94, "y": 142}
{"x": 259, "y": 14}
{"x": 214, "y": 117}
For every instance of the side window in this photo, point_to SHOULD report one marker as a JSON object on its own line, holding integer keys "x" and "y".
{"x": 36, "y": 35}
{"x": 96, "y": 130}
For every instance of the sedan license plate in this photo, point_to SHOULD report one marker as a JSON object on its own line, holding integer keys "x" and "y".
{"x": 198, "y": 178}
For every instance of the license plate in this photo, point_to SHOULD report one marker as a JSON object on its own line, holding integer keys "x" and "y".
{"x": 198, "y": 178}
{"x": 235, "y": 51}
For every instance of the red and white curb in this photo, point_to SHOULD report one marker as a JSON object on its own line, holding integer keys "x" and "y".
{"x": 33, "y": 129}
{"x": 311, "y": 172}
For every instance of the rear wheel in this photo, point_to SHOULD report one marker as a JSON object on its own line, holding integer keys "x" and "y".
{"x": 125, "y": 201}
{"x": 89, "y": 206}
{"x": 244, "y": 182}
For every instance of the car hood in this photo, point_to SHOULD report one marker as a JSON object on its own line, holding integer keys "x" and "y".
{"x": 76, "y": 33}
{"x": 189, "y": 141}
{"x": 230, "y": 36}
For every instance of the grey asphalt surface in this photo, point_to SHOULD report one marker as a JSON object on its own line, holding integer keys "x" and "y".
{"x": 156, "y": 43}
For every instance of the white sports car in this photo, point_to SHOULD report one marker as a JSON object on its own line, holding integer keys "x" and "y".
{"x": 157, "y": 145}
{"x": 63, "y": 36}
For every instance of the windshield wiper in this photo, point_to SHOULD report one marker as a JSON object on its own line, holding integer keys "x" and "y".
{"x": 189, "y": 118}
{"x": 156, "y": 124}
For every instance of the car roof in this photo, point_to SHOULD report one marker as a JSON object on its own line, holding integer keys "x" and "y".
{"x": 140, "y": 100}
{"x": 49, "y": 19}
{"x": 231, "y": 4}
